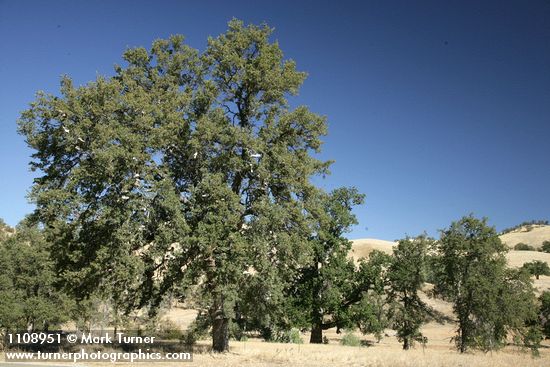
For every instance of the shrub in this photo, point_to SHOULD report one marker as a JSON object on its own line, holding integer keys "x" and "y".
{"x": 168, "y": 330}
{"x": 277, "y": 335}
{"x": 351, "y": 340}
{"x": 236, "y": 332}
{"x": 546, "y": 246}
{"x": 290, "y": 336}
{"x": 523, "y": 247}
{"x": 197, "y": 330}
{"x": 537, "y": 268}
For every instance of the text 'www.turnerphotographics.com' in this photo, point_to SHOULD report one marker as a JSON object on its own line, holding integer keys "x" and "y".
{"x": 98, "y": 346}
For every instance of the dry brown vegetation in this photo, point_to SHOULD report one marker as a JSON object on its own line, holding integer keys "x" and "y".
{"x": 534, "y": 236}
{"x": 387, "y": 353}
{"x": 363, "y": 247}
{"x": 517, "y": 258}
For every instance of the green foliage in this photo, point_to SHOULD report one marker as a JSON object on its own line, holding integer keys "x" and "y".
{"x": 546, "y": 246}
{"x": 523, "y": 247}
{"x": 292, "y": 336}
{"x": 369, "y": 311}
{"x": 544, "y": 313}
{"x": 537, "y": 268}
{"x": 489, "y": 300}
{"x": 29, "y": 295}
{"x": 324, "y": 291}
{"x": 406, "y": 276}
{"x": 279, "y": 335}
{"x": 181, "y": 160}
{"x": 350, "y": 340}
{"x": 197, "y": 330}
{"x": 90, "y": 313}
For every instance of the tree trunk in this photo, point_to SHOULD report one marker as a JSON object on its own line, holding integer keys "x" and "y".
{"x": 316, "y": 333}
{"x": 406, "y": 344}
{"x": 220, "y": 334}
{"x": 463, "y": 339}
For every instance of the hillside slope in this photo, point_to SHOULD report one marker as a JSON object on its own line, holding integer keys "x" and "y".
{"x": 534, "y": 236}
{"x": 361, "y": 248}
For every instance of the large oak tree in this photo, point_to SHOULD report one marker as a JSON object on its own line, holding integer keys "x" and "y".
{"x": 183, "y": 169}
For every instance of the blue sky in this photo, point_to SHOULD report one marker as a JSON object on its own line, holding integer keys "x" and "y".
{"x": 435, "y": 109}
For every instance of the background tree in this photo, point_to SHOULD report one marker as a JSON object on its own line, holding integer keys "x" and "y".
{"x": 181, "y": 170}
{"x": 367, "y": 301}
{"x": 546, "y": 246}
{"x": 321, "y": 291}
{"x": 544, "y": 313}
{"x": 29, "y": 296}
{"x": 489, "y": 300}
{"x": 406, "y": 275}
{"x": 518, "y": 308}
{"x": 537, "y": 268}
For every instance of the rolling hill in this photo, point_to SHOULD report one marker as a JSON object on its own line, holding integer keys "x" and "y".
{"x": 533, "y": 235}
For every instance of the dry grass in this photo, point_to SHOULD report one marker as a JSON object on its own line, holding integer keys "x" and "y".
{"x": 180, "y": 316}
{"x": 439, "y": 305}
{"x": 363, "y": 247}
{"x": 516, "y": 259}
{"x": 256, "y": 353}
{"x": 534, "y": 237}
{"x": 387, "y": 353}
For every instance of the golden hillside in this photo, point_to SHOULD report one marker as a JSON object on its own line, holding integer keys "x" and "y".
{"x": 361, "y": 248}
{"x": 533, "y": 235}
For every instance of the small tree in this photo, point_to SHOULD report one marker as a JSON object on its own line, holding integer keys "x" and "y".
{"x": 546, "y": 246}
{"x": 537, "y": 268}
{"x": 406, "y": 277}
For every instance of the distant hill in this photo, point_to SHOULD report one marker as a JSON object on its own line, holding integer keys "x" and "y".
{"x": 533, "y": 235}
{"x": 527, "y": 225}
{"x": 363, "y": 247}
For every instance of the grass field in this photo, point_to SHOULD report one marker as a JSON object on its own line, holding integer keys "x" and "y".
{"x": 438, "y": 352}
{"x": 387, "y": 353}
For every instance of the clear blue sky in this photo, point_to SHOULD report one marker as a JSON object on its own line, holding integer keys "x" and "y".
{"x": 436, "y": 108}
